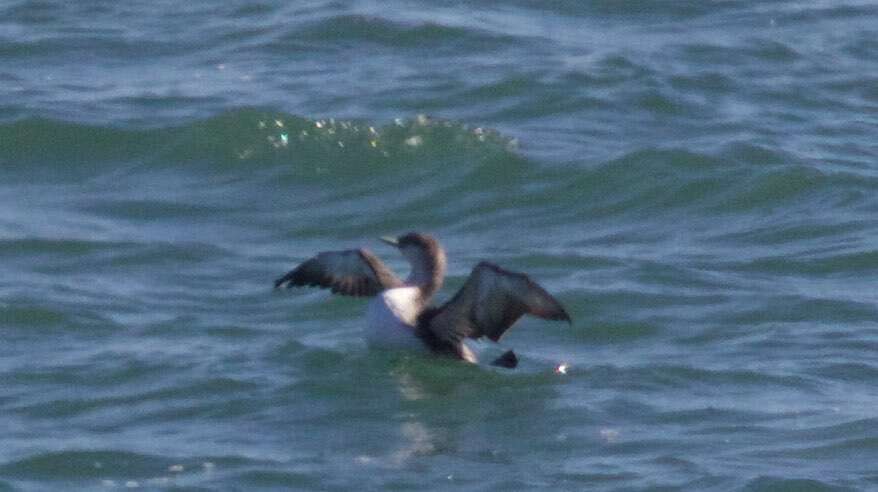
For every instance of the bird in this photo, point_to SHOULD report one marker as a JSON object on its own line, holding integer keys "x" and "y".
{"x": 401, "y": 315}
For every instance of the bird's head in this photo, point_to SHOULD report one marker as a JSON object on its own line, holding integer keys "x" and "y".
{"x": 425, "y": 255}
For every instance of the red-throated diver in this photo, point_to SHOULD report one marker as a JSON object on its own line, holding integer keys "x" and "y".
{"x": 400, "y": 315}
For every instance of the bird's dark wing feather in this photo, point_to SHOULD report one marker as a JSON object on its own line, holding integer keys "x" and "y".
{"x": 491, "y": 300}
{"x": 354, "y": 272}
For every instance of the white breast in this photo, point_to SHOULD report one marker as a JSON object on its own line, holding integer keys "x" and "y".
{"x": 391, "y": 318}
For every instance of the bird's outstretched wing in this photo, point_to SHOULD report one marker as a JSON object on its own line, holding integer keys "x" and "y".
{"x": 353, "y": 272}
{"x": 490, "y": 301}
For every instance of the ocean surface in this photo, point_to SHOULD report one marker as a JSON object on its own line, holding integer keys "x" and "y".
{"x": 697, "y": 182}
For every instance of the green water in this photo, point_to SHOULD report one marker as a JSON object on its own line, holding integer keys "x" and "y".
{"x": 695, "y": 182}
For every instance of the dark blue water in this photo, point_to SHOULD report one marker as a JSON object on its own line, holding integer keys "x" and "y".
{"x": 695, "y": 181}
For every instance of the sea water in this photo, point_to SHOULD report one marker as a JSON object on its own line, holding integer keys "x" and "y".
{"x": 695, "y": 181}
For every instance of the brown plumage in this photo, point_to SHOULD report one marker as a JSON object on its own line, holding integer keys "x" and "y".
{"x": 355, "y": 272}
{"x": 488, "y": 304}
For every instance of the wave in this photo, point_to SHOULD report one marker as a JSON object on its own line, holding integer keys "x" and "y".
{"x": 469, "y": 173}
{"x": 82, "y": 464}
{"x": 117, "y": 468}
{"x": 670, "y": 377}
{"x": 360, "y": 29}
{"x": 252, "y": 136}
{"x": 777, "y": 484}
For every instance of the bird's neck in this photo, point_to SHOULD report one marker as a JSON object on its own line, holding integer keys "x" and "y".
{"x": 428, "y": 272}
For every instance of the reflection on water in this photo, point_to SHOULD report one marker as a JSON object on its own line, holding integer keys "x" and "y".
{"x": 449, "y": 407}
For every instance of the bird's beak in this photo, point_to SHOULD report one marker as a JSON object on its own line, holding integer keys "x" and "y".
{"x": 391, "y": 241}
